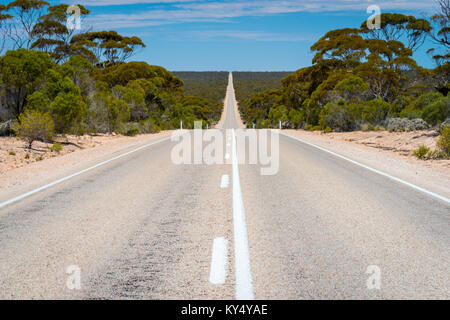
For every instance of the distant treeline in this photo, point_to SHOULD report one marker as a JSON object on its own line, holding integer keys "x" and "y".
{"x": 247, "y": 84}
{"x": 209, "y": 85}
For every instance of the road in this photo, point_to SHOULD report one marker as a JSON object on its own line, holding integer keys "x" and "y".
{"x": 141, "y": 227}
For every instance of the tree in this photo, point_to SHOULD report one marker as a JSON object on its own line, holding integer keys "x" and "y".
{"x": 68, "y": 109}
{"x": 344, "y": 47}
{"x": 385, "y": 67}
{"x": 53, "y": 36}
{"x": 26, "y": 14}
{"x": 80, "y": 71}
{"x": 21, "y": 73}
{"x": 441, "y": 34}
{"x": 109, "y": 47}
{"x": 3, "y": 27}
{"x": 134, "y": 96}
{"x": 34, "y": 126}
{"x": 352, "y": 88}
{"x": 399, "y": 27}
{"x": 105, "y": 112}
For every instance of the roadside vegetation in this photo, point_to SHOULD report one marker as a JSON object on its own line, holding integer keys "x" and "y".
{"x": 363, "y": 79}
{"x": 248, "y": 84}
{"x": 57, "y": 81}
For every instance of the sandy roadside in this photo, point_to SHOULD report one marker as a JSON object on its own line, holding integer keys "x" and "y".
{"x": 391, "y": 153}
{"x": 20, "y": 167}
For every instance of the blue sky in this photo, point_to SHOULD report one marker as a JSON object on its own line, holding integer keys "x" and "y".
{"x": 252, "y": 35}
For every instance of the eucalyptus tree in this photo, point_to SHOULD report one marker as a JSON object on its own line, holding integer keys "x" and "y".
{"x": 54, "y": 37}
{"x": 108, "y": 47}
{"x": 26, "y": 15}
{"x": 4, "y": 17}
{"x": 399, "y": 27}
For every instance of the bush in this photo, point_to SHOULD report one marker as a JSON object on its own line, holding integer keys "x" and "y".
{"x": 56, "y": 147}
{"x": 34, "y": 126}
{"x": 277, "y": 114}
{"x": 437, "y": 111}
{"x": 415, "y": 106}
{"x": 422, "y": 152}
{"x": 341, "y": 116}
{"x": 149, "y": 126}
{"x": 130, "y": 129}
{"x": 296, "y": 118}
{"x": 403, "y": 124}
{"x": 376, "y": 111}
{"x": 444, "y": 141}
{"x": 68, "y": 110}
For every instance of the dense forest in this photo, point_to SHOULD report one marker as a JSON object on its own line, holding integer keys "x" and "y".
{"x": 55, "y": 80}
{"x": 365, "y": 79}
{"x": 247, "y": 84}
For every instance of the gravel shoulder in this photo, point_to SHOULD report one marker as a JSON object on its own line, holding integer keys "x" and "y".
{"x": 389, "y": 152}
{"x": 17, "y": 173}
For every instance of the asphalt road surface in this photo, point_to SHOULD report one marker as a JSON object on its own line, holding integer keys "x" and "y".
{"x": 142, "y": 227}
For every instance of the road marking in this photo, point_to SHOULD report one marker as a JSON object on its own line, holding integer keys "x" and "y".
{"x": 219, "y": 261}
{"x": 244, "y": 286}
{"x": 227, "y": 156}
{"x": 30, "y": 193}
{"x": 413, "y": 186}
{"x": 225, "y": 181}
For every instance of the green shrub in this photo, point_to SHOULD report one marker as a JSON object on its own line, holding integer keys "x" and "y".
{"x": 437, "y": 111}
{"x": 444, "y": 141}
{"x": 56, "y": 147}
{"x": 149, "y": 126}
{"x": 130, "y": 129}
{"x": 12, "y": 153}
{"x": 416, "y": 106}
{"x": 296, "y": 118}
{"x": 277, "y": 114}
{"x": 366, "y": 127}
{"x": 34, "y": 126}
{"x": 422, "y": 152}
{"x": 375, "y": 111}
{"x": 341, "y": 116}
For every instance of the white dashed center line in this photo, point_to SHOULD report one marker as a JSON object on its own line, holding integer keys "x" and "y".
{"x": 218, "y": 272}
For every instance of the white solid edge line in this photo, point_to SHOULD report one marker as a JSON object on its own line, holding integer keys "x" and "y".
{"x": 430, "y": 193}
{"x": 219, "y": 261}
{"x": 242, "y": 270}
{"x": 30, "y": 193}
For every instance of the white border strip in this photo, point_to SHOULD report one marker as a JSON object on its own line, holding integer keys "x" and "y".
{"x": 244, "y": 286}
{"x": 30, "y": 193}
{"x": 219, "y": 259}
{"x": 430, "y": 193}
